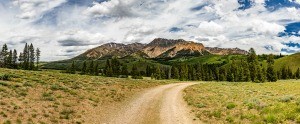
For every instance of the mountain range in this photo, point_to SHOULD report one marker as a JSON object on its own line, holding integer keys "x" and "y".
{"x": 158, "y": 48}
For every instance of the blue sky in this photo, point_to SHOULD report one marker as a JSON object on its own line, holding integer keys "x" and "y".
{"x": 66, "y": 28}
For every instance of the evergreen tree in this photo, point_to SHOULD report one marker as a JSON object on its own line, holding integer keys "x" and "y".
{"x": 157, "y": 73}
{"x": 9, "y": 59}
{"x": 38, "y": 55}
{"x": 15, "y": 59}
{"x": 253, "y": 63}
{"x": 297, "y": 74}
{"x": 84, "y": 68}
{"x": 108, "y": 69}
{"x": 284, "y": 74}
{"x": 116, "y": 66}
{"x": 183, "y": 72}
{"x": 4, "y": 56}
{"x": 148, "y": 71}
{"x": 72, "y": 68}
{"x": 174, "y": 72}
{"x": 135, "y": 73}
{"x": 31, "y": 57}
{"x": 91, "y": 68}
{"x": 125, "y": 70}
{"x": 96, "y": 69}
{"x": 25, "y": 57}
{"x": 271, "y": 73}
{"x": 21, "y": 59}
{"x": 290, "y": 73}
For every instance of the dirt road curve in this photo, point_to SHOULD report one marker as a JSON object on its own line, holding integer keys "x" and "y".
{"x": 160, "y": 105}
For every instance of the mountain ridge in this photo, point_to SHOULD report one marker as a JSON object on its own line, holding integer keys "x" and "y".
{"x": 158, "y": 48}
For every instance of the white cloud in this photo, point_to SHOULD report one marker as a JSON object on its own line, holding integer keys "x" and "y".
{"x": 79, "y": 28}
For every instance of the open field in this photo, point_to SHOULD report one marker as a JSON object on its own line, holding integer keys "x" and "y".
{"x": 53, "y": 97}
{"x": 245, "y": 102}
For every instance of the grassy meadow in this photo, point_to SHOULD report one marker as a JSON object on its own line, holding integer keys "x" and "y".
{"x": 253, "y": 103}
{"x": 52, "y": 97}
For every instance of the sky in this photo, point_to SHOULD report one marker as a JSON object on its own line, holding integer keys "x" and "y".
{"x": 63, "y": 29}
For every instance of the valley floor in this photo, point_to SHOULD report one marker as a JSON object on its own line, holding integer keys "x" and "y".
{"x": 53, "y": 97}
{"x": 253, "y": 103}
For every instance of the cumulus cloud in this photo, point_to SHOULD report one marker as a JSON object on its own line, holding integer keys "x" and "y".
{"x": 74, "y": 29}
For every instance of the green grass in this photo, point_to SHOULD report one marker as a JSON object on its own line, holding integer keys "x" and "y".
{"x": 292, "y": 61}
{"x": 245, "y": 102}
{"x": 49, "y": 96}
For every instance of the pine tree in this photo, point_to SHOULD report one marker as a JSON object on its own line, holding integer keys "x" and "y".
{"x": 116, "y": 66}
{"x": 183, "y": 72}
{"x": 96, "y": 69}
{"x": 31, "y": 57}
{"x": 135, "y": 73}
{"x": 4, "y": 56}
{"x": 157, "y": 73}
{"x": 125, "y": 70}
{"x": 15, "y": 59}
{"x": 253, "y": 63}
{"x": 108, "y": 69}
{"x": 72, "y": 68}
{"x": 91, "y": 68}
{"x": 21, "y": 59}
{"x": 284, "y": 74}
{"x": 271, "y": 73}
{"x": 297, "y": 74}
{"x": 38, "y": 55}
{"x": 174, "y": 72}
{"x": 84, "y": 67}
{"x": 148, "y": 71}
{"x": 26, "y": 57}
{"x": 9, "y": 59}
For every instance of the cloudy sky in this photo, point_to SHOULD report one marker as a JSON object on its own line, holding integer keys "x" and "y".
{"x": 66, "y": 28}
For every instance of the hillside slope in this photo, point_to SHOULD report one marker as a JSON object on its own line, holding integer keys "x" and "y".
{"x": 292, "y": 61}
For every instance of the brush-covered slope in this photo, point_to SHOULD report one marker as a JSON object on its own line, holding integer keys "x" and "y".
{"x": 291, "y": 61}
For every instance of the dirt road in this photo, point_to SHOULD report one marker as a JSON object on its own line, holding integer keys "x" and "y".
{"x": 160, "y": 105}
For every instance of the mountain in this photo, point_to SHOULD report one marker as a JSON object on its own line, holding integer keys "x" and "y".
{"x": 165, "y": 48}
{"x": 111, "y": 50}
{"x": 158, "y": 48}
{"x": 226, "y": 51}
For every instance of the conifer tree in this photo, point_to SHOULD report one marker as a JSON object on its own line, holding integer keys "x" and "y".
{"x": 21, "y": 59}
{"x": 38, "y": 55}
{"x": 72, "y": 68}
{"x": 91, "y": 68}
{"x": 125, "y": 70}
{"x": 253, "y": 63}
{"x": 157, "y": 73}
{"x": 271, "y": 73}
{"x": 297, "y": 74}
{"x": 31, "y": 57}
{"x": 108, "y": 69}
{"x": 174, "y": 72}
{"x": 96, "y": 69}
{"x": 183, "y": 72}
{"x": 9, "y": 59}
{"x": 116, "y": 66}
{"x": 26, "y": 57}
{"x": 15, "y": 59}
{"x": 134, "y": 72}
{"x": 4, "y": 56}
{"x": 84, "y": 68}
{"x": 148, "y": 71}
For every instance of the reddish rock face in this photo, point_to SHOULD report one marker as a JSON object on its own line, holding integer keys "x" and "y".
{"x": 158, "y": 48}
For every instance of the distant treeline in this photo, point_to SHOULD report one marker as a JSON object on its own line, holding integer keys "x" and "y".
{"x": 240, "y": 70}
{"x": 27, "y": 60}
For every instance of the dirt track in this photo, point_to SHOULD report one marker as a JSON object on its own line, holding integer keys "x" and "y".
{"x": 160, "y": 105}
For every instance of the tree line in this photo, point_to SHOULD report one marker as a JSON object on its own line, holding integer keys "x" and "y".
{"x": 29, "y": 59}
{"x": 239, "y": 70}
